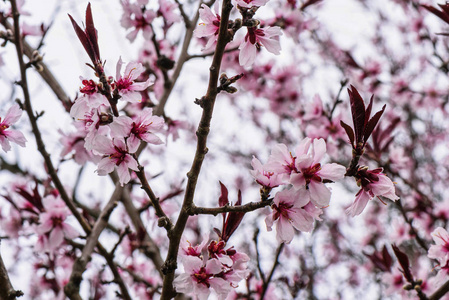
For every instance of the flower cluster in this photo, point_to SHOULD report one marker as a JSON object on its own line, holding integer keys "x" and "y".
{"x": 254, "y": 39}
{"x": 221, "y": 270}
{"x": 113, "y": 138}
{"x": 298, "y": 206}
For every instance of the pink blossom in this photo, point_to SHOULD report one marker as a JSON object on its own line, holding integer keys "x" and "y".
{"x": 288, "y": 213}
{"x": 137, "y": 19}
{"x": 440, "y": 250}
{"x": 373, "y": 184}
{"x": 52, "y": 223}
{"x": 264, "y": 176}
{"x": 167, "y": 9}
{"x": 10, "y": 135}
{"x": 198, "y": 278}
{"x": 75, "y": 143}
{"x": 281, "y": 160}
{"x": 141, "y": 128}
{"x": 250, "y": 3}
{"x": 90, "y": 99}
{"x": 209, "y": 28}
{"x": 115, "y": 155}
{"x": 254, "y": 39}
{"x": 312, "y": 174}
{"x": 188, "y": 250}
{"x": 125, "y": 85}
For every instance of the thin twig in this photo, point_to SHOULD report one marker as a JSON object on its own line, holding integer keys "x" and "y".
{"x": 195, "y": 210}
{"x": 275, "y": 264}
{"x": 7, "y": 292}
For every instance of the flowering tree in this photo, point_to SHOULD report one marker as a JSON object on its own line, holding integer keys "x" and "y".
{"x": 294, "y": 189}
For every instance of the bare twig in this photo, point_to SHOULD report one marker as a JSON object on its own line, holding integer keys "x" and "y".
{"x": 7, "y": 292}
{"x": 270, "y": 276}
{"x": 73, "y": 286}
{"x": 195, "y": 210}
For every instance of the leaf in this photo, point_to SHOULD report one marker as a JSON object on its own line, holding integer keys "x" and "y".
{"x": 441, "y": 14}
{"x": 404, "y": 262}
{"x": 358, "y": 113}
{"x": 349, "y": 132}
{"x": 372, "y": 123}
{"x": 233, "y": 221}
{"x": 91, "y": 33}
{"x": 223, "y": 199}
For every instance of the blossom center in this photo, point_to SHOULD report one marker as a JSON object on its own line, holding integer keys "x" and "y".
{"x": 311, "y": 173}
{"x": 201, "y": 276}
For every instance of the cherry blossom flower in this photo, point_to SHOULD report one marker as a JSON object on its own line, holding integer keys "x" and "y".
{"x": 210, "y": 26}
{"x": 288, "y": 213}
{"x": 264, "y": 176}
{"x": 52, "y": 223}
{"x": 167, "y": 9}
{"x": 199, "y": 278}
{"x": 250, "y": 3}
{"x": 440, "y": 250}
{"x": 125, "y": 85}
{"x": 141, "y": 128}
{"x": 188, "y": 250}
{"x": 137, "y": 19}
{"x": 254, "y": 39}
{"x": 281, "y": 160}
{"x": 373, "y": 184}
{"x": 10, "y": 135}
{"x": 90, "y": 99}
{"x": 312, "y": 174}
{"x": 116, "y": 154}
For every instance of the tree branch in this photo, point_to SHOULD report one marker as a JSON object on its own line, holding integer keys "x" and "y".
{"x": 7, "y": 292}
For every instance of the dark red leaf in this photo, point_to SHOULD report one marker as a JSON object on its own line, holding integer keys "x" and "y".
{"x": 91, "y": 33}
{"x": 441, "y": 14}
{"x": 387, "y": 258}
{"x": 349, "y": 132}
{"x": 223, "y": 200}
{"x": 372, "y": 123}
{"x": 358, "y": 113}
{"x": 404, "y": 262}
{"x": 233, "y": 221}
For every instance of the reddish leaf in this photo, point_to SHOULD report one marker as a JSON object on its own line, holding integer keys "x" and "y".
{"x": 223, "y": 200}
{"x": 443, "y": 15}
{"x": 88, "y": 37}
{"x": 372, "y": 123}
{"x": 358, "y": 113}
{"x": 404, "y": 262}
{"x": 233, "y": 221}
{"x": 349, "y": 132}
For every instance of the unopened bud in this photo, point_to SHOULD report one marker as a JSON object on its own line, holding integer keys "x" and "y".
{"x": 408, "y": 287}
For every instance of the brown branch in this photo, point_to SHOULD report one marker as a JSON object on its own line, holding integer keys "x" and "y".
{"x": 159, "y": 111}
{"x": 7, "y": 292}
{"x": 256, "y": 245}
{"x": 438, "y": 294}
{"x": 41, "y": 146}
{"x": 195, "y": 210}
{"x": 187, "y": 21}
{"x": 202, "y": 132}
{"x": 45, "y": 73}
{"x": 275, "y": 265}
{"x": 164, "y": 221}
{"x": 149, "y": 246}
{"x": 73, "y": 286}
